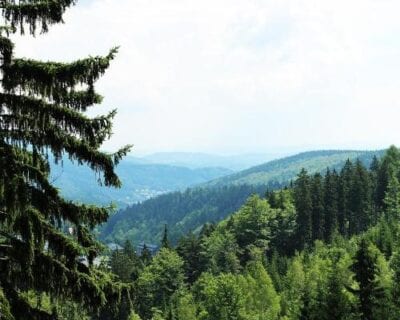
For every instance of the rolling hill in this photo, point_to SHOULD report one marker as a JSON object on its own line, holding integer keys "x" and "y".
{"x": 285, "y": 169}
{"x": 140, "y": 181}
{"x": 213, "y": 201}
{"x": 195, "y": 160}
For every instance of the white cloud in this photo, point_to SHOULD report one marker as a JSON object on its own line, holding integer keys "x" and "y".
{"x": 239, "y": 75}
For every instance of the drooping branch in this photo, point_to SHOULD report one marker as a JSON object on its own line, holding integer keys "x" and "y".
{"x": 33, "y": 13}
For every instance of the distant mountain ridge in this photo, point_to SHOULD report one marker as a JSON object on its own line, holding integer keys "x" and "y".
{"x": 284, "y": 169}
{"x": 213, "y": 201}
{"x": 140, "y": 181}
{"x": 200, "y": 160}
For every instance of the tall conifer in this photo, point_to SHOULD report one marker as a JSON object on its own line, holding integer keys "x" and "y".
{"x": 41, "y": 114}
{"x": 318, "y": 219}
{"x": 331, "y": 203}
{"x": 303, "y": 203}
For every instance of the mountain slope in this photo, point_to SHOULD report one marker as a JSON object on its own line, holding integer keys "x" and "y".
{"x": 283, "y": 170}
{"x": 212, "y": 202}
{"x": 200, "y": 160}
{"x": 139, "y": 181}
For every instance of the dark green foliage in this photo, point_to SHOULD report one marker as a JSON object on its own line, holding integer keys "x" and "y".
{"x": 214, "y": 201}
{"x": 247, "y": 266}
{"x": 145, "y": 255}
{"x": 365, "y": 271}
{"x": 41, "y": 113}
{"x": 395, "y": 292}
{"x": 344, "y": 195}
{"x": 181, "y": 211}
{"x": 361, "y": 200}
{"x": 190, "y": 249}
{"x": 303, "y": 202}
{"x": 165, "y": 241}
{"x": 317, "y": 197}
{"x": 158, "y": 282}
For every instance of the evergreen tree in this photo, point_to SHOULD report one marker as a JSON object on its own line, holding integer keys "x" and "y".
{"x": 165, "y": 241}
{"x": 365, "y": 273}
{"x": 374, "y": 172}
{"x": 318, "y": 219}
{"x": 331, "y": 204}
{"x": 41, "y": 114}
{"x": 145, "y": 255}
{"x": 336, "y": 306}
{"x": 361, "y": 199}
{"x": 189, "y": 249}
{"x": 389, "y": 164}
{"x": 392, "y": 199}
{"x": 303, "y": 203}
{"x": 158, "y": 282}
{"x": 344, "y": 198}
{"x": 395, "y": 291}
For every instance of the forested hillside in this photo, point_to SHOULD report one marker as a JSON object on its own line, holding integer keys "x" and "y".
{"x": 190, "y": 209}
{"x": 327, "y": 248}
{"x": 140, "y": 181}
{"x": 181, "y": 211}
{"x": 282, "y": 170}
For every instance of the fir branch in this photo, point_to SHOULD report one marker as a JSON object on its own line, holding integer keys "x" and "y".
{"x": 33, "y": 13}
{"x": 44, "y": 78}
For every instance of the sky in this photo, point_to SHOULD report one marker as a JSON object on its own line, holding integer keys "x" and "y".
{"x": 239, "y": 76}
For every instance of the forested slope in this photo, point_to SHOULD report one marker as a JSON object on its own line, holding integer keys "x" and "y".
{"x": 282, "y": 170}
{"x": 327, "y": 248}
{"x": 190, "y": 209}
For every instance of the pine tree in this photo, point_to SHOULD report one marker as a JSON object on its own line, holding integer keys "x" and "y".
{"x": 41, "y": 114}
{"x": 392, "y": 199}
{"x": 361, "y": 199}
{"x": 344, "y": 212}
{"x": 374, "y": 171}
{"x": 303, "y": 203}
{"x": 331, "y": 204}
{"x": 388, "y": 165}
{"x": 317, "y": 207}
{"x": 189, "y": 249}
{"x": 165, "y": 241}
{"x": 336, "y": 306}
{"x": 365, "y": 273}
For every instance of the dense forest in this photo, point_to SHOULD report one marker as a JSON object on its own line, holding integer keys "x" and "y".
{"x": 188, "y": 210}
{"x": 183, "y": 211}
{"x": 324, "y": 248}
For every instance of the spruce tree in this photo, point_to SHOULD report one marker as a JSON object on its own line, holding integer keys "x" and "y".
{"x": 361, "y": 199}
{"x": 366, "y": 275}
{"x": 395, "y": 290}
{"x": 303, "y": 203}
{"x": 331, "y": 204}
{"x": 388, "y": 165}
{"x": 317, "y": 197}
{"x": 41, "y": 115}
{"x": 165, "y": 241}
{"x": 392, "y": 199}
{"x": 344, "y": 198}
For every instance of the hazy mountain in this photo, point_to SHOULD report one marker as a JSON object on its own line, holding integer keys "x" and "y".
{"x": 190, "y": 209}
{"x": 201, "y": 160}
{"x": 140, "y": 181}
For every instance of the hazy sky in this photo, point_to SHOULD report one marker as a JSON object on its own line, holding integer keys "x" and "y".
{"x": 231, "y": 76}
